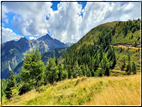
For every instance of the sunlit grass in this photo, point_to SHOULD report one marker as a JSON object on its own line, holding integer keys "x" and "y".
{"x": 120, "y": 90}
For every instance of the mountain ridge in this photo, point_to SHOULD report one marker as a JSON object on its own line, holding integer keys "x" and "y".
{"x": 13, "y": 52}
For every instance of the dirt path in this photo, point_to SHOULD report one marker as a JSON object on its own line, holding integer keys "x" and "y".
{"x": 127, "y": 46}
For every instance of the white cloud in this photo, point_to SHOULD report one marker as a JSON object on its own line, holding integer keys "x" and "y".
{"x": 66, "y": 23}
{"x": 30, "y": 17}
{"x": 101, "y": 12}
{"x": 8, "y": 34}
{"x": 32, "y": 37}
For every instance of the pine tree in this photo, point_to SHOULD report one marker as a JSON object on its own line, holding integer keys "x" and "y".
{"x": 11, "y": 83}
{"x": 65, "y": 74}
{"x": 107, "y": 72}
{"x": 105, "y": 66}
{"x": 33, "y": 68}
{"x": 124, "y": 64}
{"x": 76, "y": 69}
{"x": 52, "y": 70}
{"x": 96, "y": 62}
{"x": 88, "y": 72}
{"x": 84, "y": 69}
{"x": 60, "y": 75}
{"x": 80, "y": 72}
{"x": 128, "y": 70}
{"x": 134, "y": 68}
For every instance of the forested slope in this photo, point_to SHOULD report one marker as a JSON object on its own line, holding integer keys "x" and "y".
{"x": 114, "y": 46}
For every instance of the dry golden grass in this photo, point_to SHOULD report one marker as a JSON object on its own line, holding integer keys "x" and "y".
{"x": 121, "y": 90}
{"x": 125, "y": 92}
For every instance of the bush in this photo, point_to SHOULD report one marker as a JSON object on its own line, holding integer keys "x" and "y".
{"x": 42, "y": 89}
{"x": 96, "y": 74}
{"x": 15, "y": 92}
{"x": 24, "y": 88}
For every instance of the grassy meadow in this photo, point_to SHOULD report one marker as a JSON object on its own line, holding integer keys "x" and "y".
{"x": 112, "y": 90}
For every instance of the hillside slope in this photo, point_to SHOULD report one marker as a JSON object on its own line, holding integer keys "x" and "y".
{"x": 111, "y": 41}
{"x": 122, "y": 90}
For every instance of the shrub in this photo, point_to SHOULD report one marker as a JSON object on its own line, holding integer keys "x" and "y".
{"x": 42, "y": 89}
{"x": 24, "y": 88}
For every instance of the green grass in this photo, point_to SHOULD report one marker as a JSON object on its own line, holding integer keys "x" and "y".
{"x": 120, "y": 90}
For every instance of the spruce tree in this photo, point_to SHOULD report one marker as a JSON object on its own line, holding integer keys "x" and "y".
{"x": 105, "y": 66}
{"x": 84, "y": 69}
{"x": 124, "y": 64}
{"x": 33, "y": 68}
{"x": 65, "y": 74}
{"x": 52, "y": 70}
{"x": 11, "y": 83}
{"x": 88, "y": 72}
{"x": 128, "y": 70}
{"x": 60, "y": 75}
{"x": 134, "y": 68}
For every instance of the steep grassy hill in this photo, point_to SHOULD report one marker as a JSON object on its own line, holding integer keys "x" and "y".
{"x": 122, "y": 90}
{"x": 123, "y": 32}
{"x": 122, "y": 37}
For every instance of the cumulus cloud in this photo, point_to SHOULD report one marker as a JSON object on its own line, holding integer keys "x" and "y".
{"x": 8, "y": 34}
{"x": 101, "y": 12}
{"x": 69, "y": 22}
{"x": 30, "y": 17}
{"x": 64, "y": 24}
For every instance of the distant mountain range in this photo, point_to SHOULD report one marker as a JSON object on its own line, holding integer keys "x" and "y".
{"x": 57, "y": 52}
{"x": 13, "y": 52}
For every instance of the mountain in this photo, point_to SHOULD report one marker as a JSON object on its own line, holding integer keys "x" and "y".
{"x": 57, "y": 52}
{"x": 13, "y": 52}
{"x": 69, "y": 44}
{"x": 114, "y": 45}
{"x": 46, "y": 43}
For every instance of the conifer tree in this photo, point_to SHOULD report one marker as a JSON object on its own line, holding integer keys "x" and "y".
{"x": 11, "y": 83}
{"x": 65, "y": 74}
{"x": 128, "y": 70}
{"x": 134, "y": 68}
{"x": 105, "y": 66}
{"x": 60, "y": 75}
{"x": 52, "y": 70}
{"x": 33, "y": 68}
{"x": 124, "y": 64}
{"x": 88, "y": 73}
{"x": 84, "y": 69}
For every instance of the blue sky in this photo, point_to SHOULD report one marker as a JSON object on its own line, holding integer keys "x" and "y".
{"x": 65, "y": 21}
{"x": 54, "y": 5}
